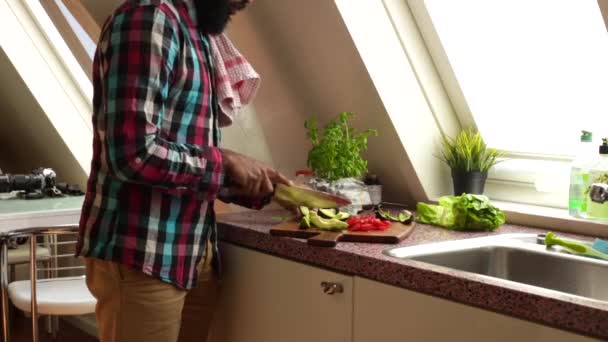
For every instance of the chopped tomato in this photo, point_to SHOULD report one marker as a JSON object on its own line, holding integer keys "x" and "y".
{"x": 365, "y": 223}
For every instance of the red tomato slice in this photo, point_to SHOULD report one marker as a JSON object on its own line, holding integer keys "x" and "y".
{"x": 367, "y": 223}
{"x": 367, "y": 226}
{"x": 355, "y": 228}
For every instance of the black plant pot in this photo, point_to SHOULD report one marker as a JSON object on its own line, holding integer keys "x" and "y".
{"x": 470, "y": 182}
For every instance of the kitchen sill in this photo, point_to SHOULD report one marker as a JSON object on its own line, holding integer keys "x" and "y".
{"x": 551, "y": 219}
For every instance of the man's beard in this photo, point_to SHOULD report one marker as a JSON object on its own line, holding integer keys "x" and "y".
{"x": 212, "y": 15}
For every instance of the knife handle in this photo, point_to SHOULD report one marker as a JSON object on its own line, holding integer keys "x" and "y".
{"x": 325, "y": 239}
{"x": 229, "y": 184}
{"x": 232, "y": 195}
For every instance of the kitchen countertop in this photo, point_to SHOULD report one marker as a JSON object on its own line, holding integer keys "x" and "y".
{"x": 576, "y": 314}
{"x": 17, "y": 213}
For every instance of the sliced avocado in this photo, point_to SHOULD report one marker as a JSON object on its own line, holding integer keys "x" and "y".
{"x": 404, "y": 216}
{"x": 342, "y": 216}
{"x": 328, "y": 213}
{"x": 327, "y": 224}
{"x": 305, "y": 222}
{"x": 383, "y": 214}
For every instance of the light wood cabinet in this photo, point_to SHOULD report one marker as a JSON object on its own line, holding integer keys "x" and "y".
{"x": 270, "y": 299}
{"x": 388, "y": 313}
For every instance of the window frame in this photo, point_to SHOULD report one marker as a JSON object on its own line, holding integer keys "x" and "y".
{"x": 77, "y": 65}
{"x": 441, "y": 62}
{"x": 83, "y": 18}
{"x": 502, "y": 178}
{"x": 51, "y": 83}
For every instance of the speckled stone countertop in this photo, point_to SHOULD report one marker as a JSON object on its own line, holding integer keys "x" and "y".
{"x": 577, "y": 314}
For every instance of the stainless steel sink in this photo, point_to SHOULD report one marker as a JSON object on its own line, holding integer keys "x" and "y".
{"x": 519, "y": 258}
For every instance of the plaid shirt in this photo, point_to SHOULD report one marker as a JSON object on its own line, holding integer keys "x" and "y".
{"x": 156, "y": 168}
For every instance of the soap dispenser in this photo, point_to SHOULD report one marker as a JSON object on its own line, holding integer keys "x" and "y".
{"x": 579, "y": 175}
{"x": 598, "y": 174}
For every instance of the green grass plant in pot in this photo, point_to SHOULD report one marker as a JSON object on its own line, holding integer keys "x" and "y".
{"x": 470, "y": 160}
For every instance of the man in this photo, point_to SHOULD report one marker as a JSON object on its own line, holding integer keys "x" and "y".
{"x": 156, "y": 170}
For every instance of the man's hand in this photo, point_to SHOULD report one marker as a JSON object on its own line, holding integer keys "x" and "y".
{"x": 251, "y": 177}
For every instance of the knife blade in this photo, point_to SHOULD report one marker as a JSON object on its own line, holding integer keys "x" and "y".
{"x": 299, "y": 196}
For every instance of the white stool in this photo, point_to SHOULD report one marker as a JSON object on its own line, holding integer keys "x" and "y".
{"x": 54, "y": 296}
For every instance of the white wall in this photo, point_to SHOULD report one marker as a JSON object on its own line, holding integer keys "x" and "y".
{"x": 310, "y": 65}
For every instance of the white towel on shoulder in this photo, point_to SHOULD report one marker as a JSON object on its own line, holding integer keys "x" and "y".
{"x": 236, "y": 82}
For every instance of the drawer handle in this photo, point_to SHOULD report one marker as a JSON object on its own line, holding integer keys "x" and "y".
{"x": 331, "y": 288}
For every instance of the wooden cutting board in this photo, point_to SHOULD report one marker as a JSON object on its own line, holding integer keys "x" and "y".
{"x": 317, "y": 237}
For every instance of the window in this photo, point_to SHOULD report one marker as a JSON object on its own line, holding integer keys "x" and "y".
{"x": 72, "y": 33}
{"x": 84, "y": 39}
{"x": 530, "y": 75}
{"x": 56, "y": 84}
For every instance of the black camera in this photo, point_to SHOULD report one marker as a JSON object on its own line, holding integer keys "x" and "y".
{"x": 39, "y": 183}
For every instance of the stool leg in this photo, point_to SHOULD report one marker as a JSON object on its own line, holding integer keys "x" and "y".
{"x": 49, "y": 325}
{"x": 4, "y": 289}
{"x": 12, "y": 273}
{"x": 49, "y": 319}
{"x": 33, "y": 280}
{"x": 55, "y": 327}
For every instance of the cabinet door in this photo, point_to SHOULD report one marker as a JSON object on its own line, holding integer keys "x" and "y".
{"x": 266, "y": 298}
{"x": 387, "y": 313}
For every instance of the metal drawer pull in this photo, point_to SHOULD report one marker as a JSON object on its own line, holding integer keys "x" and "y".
{"x": 331, "y": 288}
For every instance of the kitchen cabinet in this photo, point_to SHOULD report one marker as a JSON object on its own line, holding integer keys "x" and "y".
{"x": 267, "y": 298}
{"x": 270, "y": 299}
{"x": 388, "y": 313}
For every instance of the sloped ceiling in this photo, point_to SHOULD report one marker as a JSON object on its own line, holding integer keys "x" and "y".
{"x": 27, "y": 138}
{"x": 100, "y": 9}
{"x": 604, "y": 8}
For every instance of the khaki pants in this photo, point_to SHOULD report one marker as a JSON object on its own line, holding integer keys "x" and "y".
{"x": 133, "y": 307}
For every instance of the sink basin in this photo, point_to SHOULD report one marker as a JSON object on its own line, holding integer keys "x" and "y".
{"x": 520, "y": 258}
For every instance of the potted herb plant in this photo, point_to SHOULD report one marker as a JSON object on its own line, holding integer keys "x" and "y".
{"x": 335, "y": 156}
{"x": 470, "y": 160}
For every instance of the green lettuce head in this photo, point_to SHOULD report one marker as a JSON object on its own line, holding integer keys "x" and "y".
{"x": 466, "y": 212}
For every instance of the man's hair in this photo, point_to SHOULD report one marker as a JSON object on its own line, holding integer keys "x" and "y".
{"x": 213, "y": 15}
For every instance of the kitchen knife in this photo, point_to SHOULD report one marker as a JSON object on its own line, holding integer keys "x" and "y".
{"x": 297, "y": 196}
{"x": 294, "y": 196}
